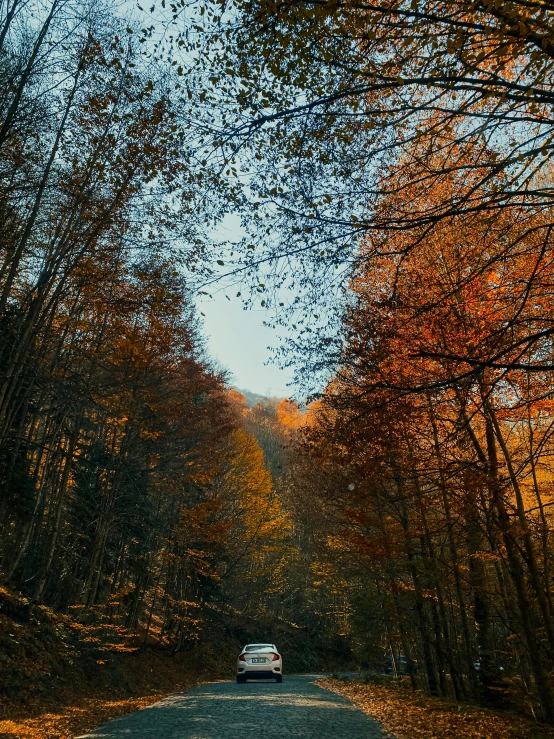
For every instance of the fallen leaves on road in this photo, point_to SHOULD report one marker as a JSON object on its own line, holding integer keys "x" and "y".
{"x": 413, "y": 715}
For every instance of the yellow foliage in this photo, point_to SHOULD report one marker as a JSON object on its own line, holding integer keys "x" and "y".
{"x": 246, "y": 484}
{"x": 289, "y": 415}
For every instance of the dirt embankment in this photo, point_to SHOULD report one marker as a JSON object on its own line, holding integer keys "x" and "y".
{"x": 62, "y": 675}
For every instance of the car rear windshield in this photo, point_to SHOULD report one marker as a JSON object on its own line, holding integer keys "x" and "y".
{"x": 255, "y": 647}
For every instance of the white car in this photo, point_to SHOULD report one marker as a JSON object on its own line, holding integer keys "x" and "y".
{"x": 259, "y": 662}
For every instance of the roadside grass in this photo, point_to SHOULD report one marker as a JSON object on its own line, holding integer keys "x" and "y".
{"x": 406, "y": 714}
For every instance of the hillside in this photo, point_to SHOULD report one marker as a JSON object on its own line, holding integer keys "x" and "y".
{"x": 253, "y": 399}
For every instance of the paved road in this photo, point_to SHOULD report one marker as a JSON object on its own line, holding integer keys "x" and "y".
{"x": 260, "y": 710}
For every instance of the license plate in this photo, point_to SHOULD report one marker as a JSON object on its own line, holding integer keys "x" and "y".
{"x": 258, "y": 661}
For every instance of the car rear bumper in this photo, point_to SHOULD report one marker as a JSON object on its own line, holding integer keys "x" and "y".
{"x": 259, "y": 674}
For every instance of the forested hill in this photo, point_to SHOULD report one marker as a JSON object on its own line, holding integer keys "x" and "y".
{"x": 253, "y": 399}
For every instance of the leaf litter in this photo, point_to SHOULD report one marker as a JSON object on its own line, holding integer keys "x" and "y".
{"x": 408, "y": 714}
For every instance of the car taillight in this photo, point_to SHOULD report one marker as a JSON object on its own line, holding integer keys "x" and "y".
{"x": 242, "y": 657}
{"x": 275, "y": 658}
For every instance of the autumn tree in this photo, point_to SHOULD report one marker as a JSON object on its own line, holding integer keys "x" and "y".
{"x": 436, "y": 488}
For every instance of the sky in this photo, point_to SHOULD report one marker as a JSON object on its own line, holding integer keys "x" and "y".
{"x": 238, "y": 340}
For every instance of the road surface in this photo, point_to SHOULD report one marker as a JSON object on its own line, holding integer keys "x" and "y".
{"x": 259, "y": 710}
